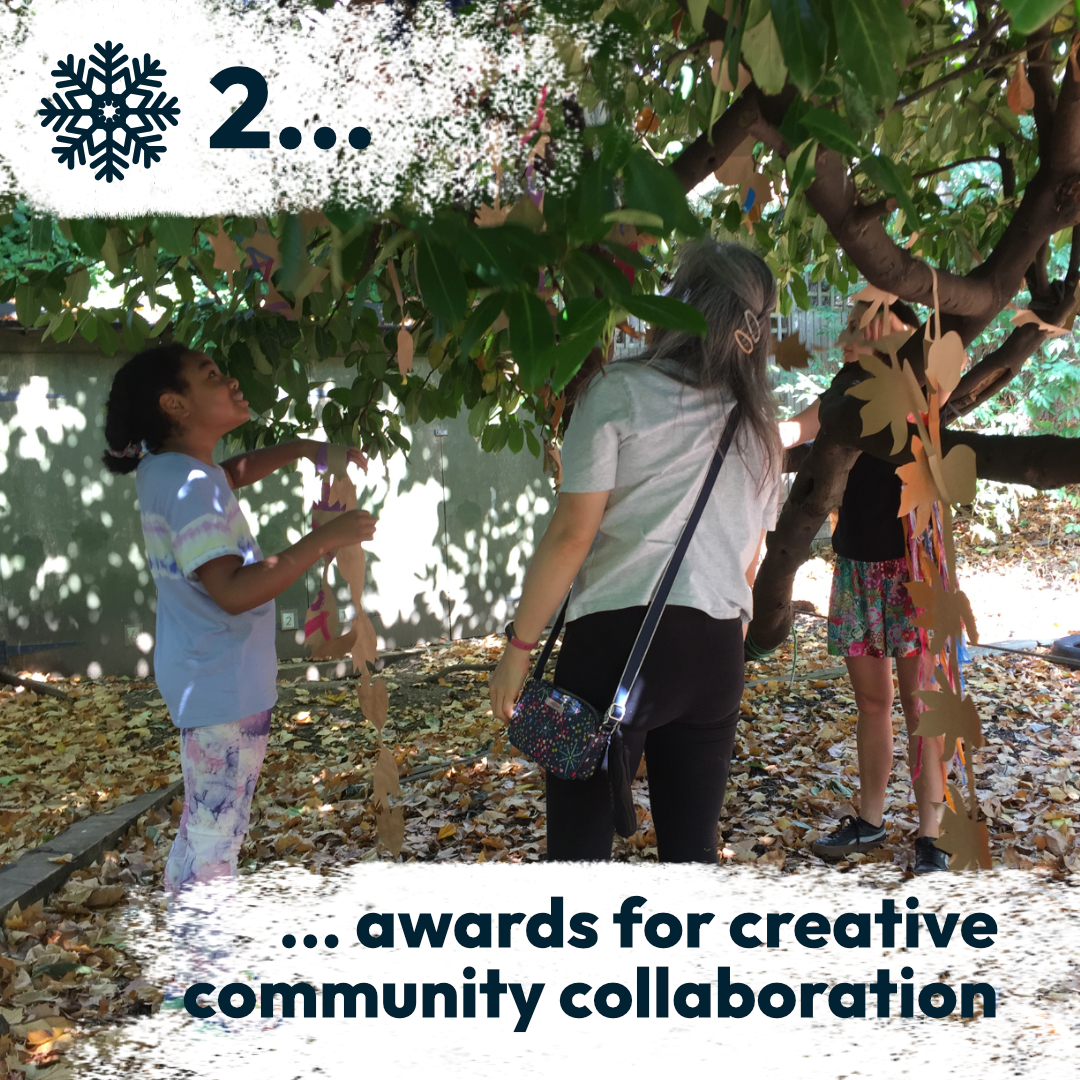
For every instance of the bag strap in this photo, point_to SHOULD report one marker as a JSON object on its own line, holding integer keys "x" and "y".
{"x": 644, "y": 638}
{"x": 659, "y": 600}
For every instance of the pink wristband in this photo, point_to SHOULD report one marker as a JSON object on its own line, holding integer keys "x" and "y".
{"x": 517, "y": 642}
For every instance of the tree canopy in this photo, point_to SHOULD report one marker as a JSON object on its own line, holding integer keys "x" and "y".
{"x": 831, "y": 127}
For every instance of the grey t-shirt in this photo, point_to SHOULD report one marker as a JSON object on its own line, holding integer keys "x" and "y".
{"x": 649, "y": 439}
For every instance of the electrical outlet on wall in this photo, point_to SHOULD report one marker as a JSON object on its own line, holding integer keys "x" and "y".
{"x": 288, "y": 620}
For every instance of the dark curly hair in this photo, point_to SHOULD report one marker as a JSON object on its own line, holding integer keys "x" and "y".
{"x": 134, "y": 420}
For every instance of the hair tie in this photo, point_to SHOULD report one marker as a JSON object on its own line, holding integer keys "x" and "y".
{"x": 748, "y": 338}
{"x": 129, "y": 451}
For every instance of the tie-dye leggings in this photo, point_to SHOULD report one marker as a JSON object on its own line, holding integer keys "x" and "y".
{"x": 221, "y": 764}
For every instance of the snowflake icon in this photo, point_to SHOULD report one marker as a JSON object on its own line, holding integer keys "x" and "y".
{"x": 112, "y": 102}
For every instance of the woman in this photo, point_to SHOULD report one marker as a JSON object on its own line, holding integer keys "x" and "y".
{"x": 871, "y": 620}
{"x": 636, "y": 451}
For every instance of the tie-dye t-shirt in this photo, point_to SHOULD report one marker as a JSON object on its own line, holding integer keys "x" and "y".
{"x": 211, "y": 667}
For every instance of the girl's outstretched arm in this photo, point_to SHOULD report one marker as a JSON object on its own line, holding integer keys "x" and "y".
{"x": 246, "y": 468}
{"x": 237, "y": 588}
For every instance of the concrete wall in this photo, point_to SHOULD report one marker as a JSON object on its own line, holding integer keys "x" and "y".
{"x": 457, "y": 527}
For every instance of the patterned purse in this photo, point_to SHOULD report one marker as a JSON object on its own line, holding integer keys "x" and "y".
{"x": 567, "y": 735}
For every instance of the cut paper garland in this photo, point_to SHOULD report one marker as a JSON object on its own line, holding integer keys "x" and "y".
{"x": 893, "y": 399}
{"x": 338, "y": 496}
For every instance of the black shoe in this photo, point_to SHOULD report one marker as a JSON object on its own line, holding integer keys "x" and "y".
{"x": 928, "y": 856}
{"x": 854, "y": 834}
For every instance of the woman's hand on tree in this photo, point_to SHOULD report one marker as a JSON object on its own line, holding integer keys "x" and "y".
{"x": 506, "y": 681}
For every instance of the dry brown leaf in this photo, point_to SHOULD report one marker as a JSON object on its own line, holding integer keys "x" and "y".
{"x": 967, "y": 841}
{"x": 890, "y": 395}
{"x": 720, "y": 71}
{"x": 944, "y": 613}
{"x": 374, "y": 698}
{"x": 105, "y": 896}
{"x": 647, "y": 122}
{"x": 951, "y": 714}
{"x": 1020, "y": 96}
{"x": 791, "y": 353}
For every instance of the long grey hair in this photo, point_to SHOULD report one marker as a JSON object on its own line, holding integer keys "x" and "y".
{"x": 725, "y": 282}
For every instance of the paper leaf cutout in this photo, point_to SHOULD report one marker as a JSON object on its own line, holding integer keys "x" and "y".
{"x": 390, "y": 827}
{"x": 1020, "y": 96}
{"x": 1026, "y": 315}
{"x": 262, "y": 249}
{"x": 374, "y": 699}
{"x": 874, "y": 298}
{"x": 225, "y": 255}
{"x": 945, "y": 361}
{"x": 951, "y": 479}
{"x": 351, "y": 564}
{"x": 791, "y": 353}
{"x": 384, "y": 779}
{"x": 337, "y": 463}
{"x": 488, "y": 217}
{"x": 321, "y": 627}
{"x": 720, "y": 71}
{"x": 967, "y": 841}
{"x": 366, "y": 648}
{"x": 890, "y": 396}
{"x": 950, "y": 714}
{"x": 944, "y": 613}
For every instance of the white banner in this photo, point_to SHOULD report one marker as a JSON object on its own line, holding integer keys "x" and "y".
{"x": 577, "y": 971}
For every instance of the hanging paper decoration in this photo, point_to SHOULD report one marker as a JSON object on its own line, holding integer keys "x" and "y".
{"x": 932, "y": 482}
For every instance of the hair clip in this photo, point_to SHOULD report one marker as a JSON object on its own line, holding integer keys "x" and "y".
{"x": 129, "y": 451}
{"x": 748, "y": 338}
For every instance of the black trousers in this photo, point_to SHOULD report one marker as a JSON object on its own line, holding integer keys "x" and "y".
{"x": 683, "y": 713}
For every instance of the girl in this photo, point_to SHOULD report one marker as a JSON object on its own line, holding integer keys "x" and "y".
{"x": 870, "y": 622}
{"x": 639, "y": 444}
{"x": 214, "y": 659}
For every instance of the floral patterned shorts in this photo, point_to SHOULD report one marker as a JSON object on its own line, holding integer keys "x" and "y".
{"x": 870, "y": 610}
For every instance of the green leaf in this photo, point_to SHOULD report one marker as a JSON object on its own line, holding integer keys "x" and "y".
{"x": 479, "y": 415}
{"x": 531, "y": 333}
{"x": 651, "y": 187}
{"x": 585, "y": 272}
{"x": 859, "y": 110}
{"x": 441, "y": 284}
{"x": 668, "y": 312}
{"x": 762, "y": 52}
{"x": 580, "y": 326}
{"x": 487, "y": 255}
{"x": 478, "y": 323}
{"x": 146, "y": 264}
{"x": 593, "y": 198}
{"x": 866, "y": 33}
{"x": 636, "y": 217}
{"x": 804, "y": 37}
{"x": 174, "y": 234}
{"x": 27, "y": 304}
{"x": 800, "y": 165}
{"x": 883, "y": 172}
{"x": 41, "y": 233}
{"x": 832, "y": 130}
{"x": 77, "y": 287}
{"x": 1029, "y": 15}
{"x": 799, "y": 292}
{"x": 697, "y": 9}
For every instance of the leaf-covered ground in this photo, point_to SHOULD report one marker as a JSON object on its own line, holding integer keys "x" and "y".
{"x": 64, "y": 969}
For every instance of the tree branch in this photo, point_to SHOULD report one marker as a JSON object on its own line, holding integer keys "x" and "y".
{"x": 1041, "y": 77}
